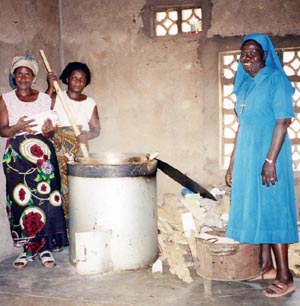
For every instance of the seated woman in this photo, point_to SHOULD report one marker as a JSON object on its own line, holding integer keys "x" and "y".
{"x": 34, "y": 201}
{"x": 76, "y": 76}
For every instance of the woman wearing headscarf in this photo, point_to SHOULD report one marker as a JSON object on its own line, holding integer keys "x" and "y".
{"x": 34, "y": 201}
{"x": 77, "y": 77}
{"x": 260, "y": 172}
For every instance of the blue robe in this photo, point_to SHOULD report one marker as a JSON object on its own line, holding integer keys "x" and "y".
{"x": 261, "y": 214}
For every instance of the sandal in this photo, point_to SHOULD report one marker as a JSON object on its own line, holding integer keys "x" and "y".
{"x": 278, "y": 289}
{"x": 57, "y": 249}
{"x": 21, "y": 261}
{"x": 47, "y": 259}
{"x": 271, "y": 274}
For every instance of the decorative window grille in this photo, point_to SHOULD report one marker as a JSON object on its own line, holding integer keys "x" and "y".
{"x": 228, "y": 62}
{"x": 177, "y": 20}
{"x": 291, "y": 65}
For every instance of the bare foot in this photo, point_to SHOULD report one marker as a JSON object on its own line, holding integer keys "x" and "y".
{"x": 271, "y": 274}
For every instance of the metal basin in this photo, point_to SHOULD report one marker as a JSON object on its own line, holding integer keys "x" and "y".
{"x": 113, "y": 158}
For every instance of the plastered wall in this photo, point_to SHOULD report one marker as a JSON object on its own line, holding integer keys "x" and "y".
{"x": 153, "y": 94}
{"x": 239, "y": 17}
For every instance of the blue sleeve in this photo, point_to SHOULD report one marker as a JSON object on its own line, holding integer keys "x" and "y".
{"x": 282, "y": 96}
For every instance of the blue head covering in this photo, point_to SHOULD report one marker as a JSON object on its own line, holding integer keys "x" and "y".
{"x": 272, "y": 59}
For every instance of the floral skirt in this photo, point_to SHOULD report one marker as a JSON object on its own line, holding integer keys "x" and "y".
{"x": 33, "y": 194}
{"x": 67, "y": 148}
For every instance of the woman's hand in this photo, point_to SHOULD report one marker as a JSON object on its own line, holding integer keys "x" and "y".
{"x": 83, "y": 137}
{"x": 228, "y": 177}
{"x": 48, "y": 129}
{"x": 268, "y": 174}
{"x": 25, "y": 125}
{"x": 51, "y": 78}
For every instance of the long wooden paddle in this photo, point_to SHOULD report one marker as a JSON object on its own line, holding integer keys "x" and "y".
{"x": 68, "y": 111}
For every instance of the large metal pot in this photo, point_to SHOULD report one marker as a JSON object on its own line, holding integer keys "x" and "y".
{"x": 224, "y": 259}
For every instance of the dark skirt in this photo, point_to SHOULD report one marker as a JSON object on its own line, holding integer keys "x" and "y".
{"x": 33, "y": 194}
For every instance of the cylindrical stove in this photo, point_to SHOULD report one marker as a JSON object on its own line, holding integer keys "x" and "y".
{"x": 113, "y": 212}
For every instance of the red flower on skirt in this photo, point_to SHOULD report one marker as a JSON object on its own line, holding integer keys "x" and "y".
{"x": 22, "y": 194}
{"x": 36, "y": 150}
{"x": 34, "y": 247}
{"x": 32, "y": 224}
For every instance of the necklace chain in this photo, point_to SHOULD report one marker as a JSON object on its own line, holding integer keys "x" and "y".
{"x": 242, "y": 106}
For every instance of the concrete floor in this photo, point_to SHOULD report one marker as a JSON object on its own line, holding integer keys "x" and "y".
{"x": 61, "y": 286}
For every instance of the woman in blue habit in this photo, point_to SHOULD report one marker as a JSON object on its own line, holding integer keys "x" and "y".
{"x": 260, "y": 172}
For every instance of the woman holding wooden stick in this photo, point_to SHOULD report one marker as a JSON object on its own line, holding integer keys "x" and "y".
{"x": 76, "y": 76}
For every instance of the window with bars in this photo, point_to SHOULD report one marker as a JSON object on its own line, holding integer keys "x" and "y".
{"x": 169, "y": 21}
{"x": 228, "y": 61}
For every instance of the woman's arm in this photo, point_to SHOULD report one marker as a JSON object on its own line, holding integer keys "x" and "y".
{"x": 8, "y": 131}
{"x": 228, "y": 175}
{"x": 268, "y": 172}
{"x": 51, "y": 77}
{"x": 5, "y": 130}
{"x": 94, "y": 125}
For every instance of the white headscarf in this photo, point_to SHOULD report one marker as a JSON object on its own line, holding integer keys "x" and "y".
{"x": 23, "y": 61}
